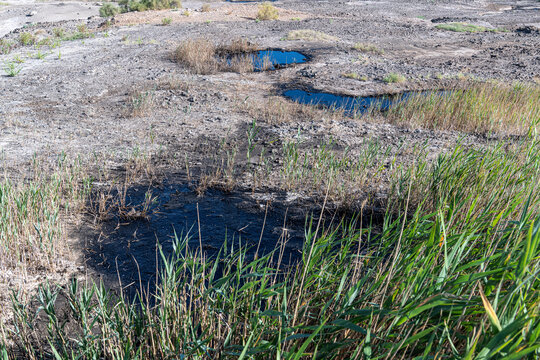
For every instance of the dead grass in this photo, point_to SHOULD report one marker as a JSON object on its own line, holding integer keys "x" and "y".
{"x": 310, "y": 35}
{"x": 199, "y": 55}
{"x": 202, "y": 56}
{"x": 481, "y": 108}
{"x": 368, "y": 48}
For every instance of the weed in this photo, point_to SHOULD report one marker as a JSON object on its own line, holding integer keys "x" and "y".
{"x": 166, "y": 21}
{"x": 392, "y": 78}
{"x": 59, "y": 32}
{"x": 310, "y": 35}
{"x": 26, "y": 38}
{"x": 11, "y": 69}
{"x": 267, "y": 11}
{"x": 6, "y": 46}
{"x": 18, "y": 59}
{"x": 206, "y": 8}
{"x": 140, "y": 102}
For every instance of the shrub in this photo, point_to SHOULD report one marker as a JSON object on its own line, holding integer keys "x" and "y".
{"x": 108, "y": 10}
{"x": 267, "y": 12}
{"x": 143, "y": 5}
{"x": 166, "y": 21}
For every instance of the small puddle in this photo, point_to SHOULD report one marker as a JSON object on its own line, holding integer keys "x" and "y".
{"x": 274, "y": 59}
{"x": 352, "y": 106}
{"x": 130, "y": 245}
{"x": 264, "y": 60}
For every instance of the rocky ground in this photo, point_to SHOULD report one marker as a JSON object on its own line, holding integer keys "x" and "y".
{"x": 80, "y": 96}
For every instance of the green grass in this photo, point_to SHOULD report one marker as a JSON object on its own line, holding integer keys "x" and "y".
{"x": 480, "y": 108}
{"x": 464, "y": 27}
{"x": 394, "y": 78}
{"x": 451, "y": 272}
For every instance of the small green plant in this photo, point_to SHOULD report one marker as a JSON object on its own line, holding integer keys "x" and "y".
{"x": 18, "y": 59}
{"x": 394, "y": 78}
{"x": 108, "y": 10}
{"x": 6, "y": 46}
{"x": 11, "y": 69}
{"x": 40, "y": 55}
{"x": 186, "y": 13}
{"x": 166, "y": 21}
{"x": 59, "y": 56}
{"x": 26, "y": 38}
{"x": 59, "y": 32}
{"x": 82, "y": 28}
{"x": 267, "y": 11}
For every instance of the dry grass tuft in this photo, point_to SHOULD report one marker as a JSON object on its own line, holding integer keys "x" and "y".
{"x": 267, "y": 11}
{"x": 368, "y": 48}
{"x": 202, "y": 56}
{"x": 276, "y": 110}
{"x": 199, "y": 55}
{"x": 310, "y": 35}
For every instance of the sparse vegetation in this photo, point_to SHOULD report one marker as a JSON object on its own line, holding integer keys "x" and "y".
{"x": 267, "y": 11}
{"x": 59, "y": 32}
{"x": 464, "y": 27}
{"x": 12, "y": 69}
{"x": 166, "y": 21}
{"x": 368, "y": 48}
{"x": 356, "y": 76}
{"x": 310, "y": 35}
{"x": 392, "y": 78}
{"x": 481, "y": 108}
{"x": 26, "y": 38}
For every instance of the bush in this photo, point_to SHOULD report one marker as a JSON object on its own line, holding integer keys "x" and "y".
{"x": 143, "y": 5}
{"x": 267, "y": 12}
{"x": 166, "y": 21}
{"x": 108, "y": 10}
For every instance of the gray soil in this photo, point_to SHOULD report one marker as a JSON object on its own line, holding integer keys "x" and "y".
{"x": 77, "y": 99}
